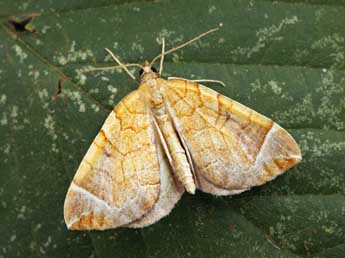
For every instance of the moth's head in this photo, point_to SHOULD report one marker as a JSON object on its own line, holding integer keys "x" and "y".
{"x": 148, "y": 71}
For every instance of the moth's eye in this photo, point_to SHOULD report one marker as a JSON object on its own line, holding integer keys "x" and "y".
{"x": 154, "y": 69}
{"x": 141, "y": 72}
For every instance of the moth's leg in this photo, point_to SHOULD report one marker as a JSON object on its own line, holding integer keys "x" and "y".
{"x": 201, "y": 80}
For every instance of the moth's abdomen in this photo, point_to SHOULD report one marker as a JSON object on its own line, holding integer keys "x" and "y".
{"x": 174, "y": 148}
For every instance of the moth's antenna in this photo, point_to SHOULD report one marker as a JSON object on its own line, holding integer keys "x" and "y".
{"x": 184, "y": 44}
{"x": 162, "y": 58}
{"x": 106, "y": 68}
{"x": 124, "y": 67}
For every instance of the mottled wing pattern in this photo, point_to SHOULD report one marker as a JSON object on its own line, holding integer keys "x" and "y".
{"x": 118, "y": 181}
{"x": 233, "y": 148}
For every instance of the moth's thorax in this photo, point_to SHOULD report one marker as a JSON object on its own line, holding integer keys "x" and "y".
{"x": 148, "y": 75}
{"x": 152, "y": 87}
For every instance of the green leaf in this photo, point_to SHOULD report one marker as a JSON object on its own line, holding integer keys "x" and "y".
{"x": 285, "y": 59}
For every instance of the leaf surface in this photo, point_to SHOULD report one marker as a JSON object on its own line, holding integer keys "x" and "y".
{"x": 285, "y": 59}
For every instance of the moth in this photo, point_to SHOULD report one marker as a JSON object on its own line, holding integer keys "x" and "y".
{"x": 167, "y": 137}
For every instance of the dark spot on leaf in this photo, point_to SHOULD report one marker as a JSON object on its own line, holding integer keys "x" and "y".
{"x": 59, "y": 87}
{"x": 23, "y": 25}
{"x": 232, "y": 227}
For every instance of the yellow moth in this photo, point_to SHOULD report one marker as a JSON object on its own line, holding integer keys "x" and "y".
{"x": 168, "y": 136}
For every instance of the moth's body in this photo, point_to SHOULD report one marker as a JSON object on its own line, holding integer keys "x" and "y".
{"x": 152, "y": 89}
{"x": 168, "y": 136}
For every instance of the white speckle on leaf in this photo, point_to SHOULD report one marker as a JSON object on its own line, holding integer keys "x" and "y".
{"x": 81, "y": 77}
{"x": 13, "y": 237}
{"x": 24, "y": 6}
{"x": 73, "y": 55}
{"x": 61, "y": 60}
{"x": 45, "y": 28}
{"x": 42, "y": 251}
{"x": 333, "y": 42}
{"x": 49, "y": 123}
{"x": 111, "y": 100}
{"x": 300, "y": 54}
{"x": 271, "y": 86}
{"x": 138, "y": 47}
{"x": 7, "y": 149}
{"x": 95, "y": 108}
{"x": 48, "y": 242}
{"x": 275, "y": 88}
{"x": 37, "y": 227}
{"x": 3, "y": 204}
{"x": 72, "y": 48}
{"x": 38, "y": 42}
{"x": 302, "y": 112}
{"x": 169, "y": 37}
{"x": 32, "y": 245}
{"x": 14, "y": 112}
{"x": 211, "y": 9}
{"x": 82, "y": 108}
{"x": 33, "y": 73}
{"x": 65, "y": 136}
{"x": 20, "y": 53}
{"x": 266, "y": 35}
{"x": 94, "y": 90}
{"x": 54, "y": 148}
{"x": 328, "y": 229}
{"x": 107, "y": 58}
{"x": 43, "y": 94}
{"x": 21, "y": 213}
{"x": 132, "y": 70}
{"x": 310, "y": 142}
{"x": 3, "y": 99}
{"x": 4, "y": 120}
{"x": 175, "y": 57}
{"x": 75, "y": 97}
{"x": 115, "y": 45}
{"x": 112, "y": 89}
{"x": 58, "y": 25}
{"x": 332, "y": 105}
{"x": 221, "y": 40}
